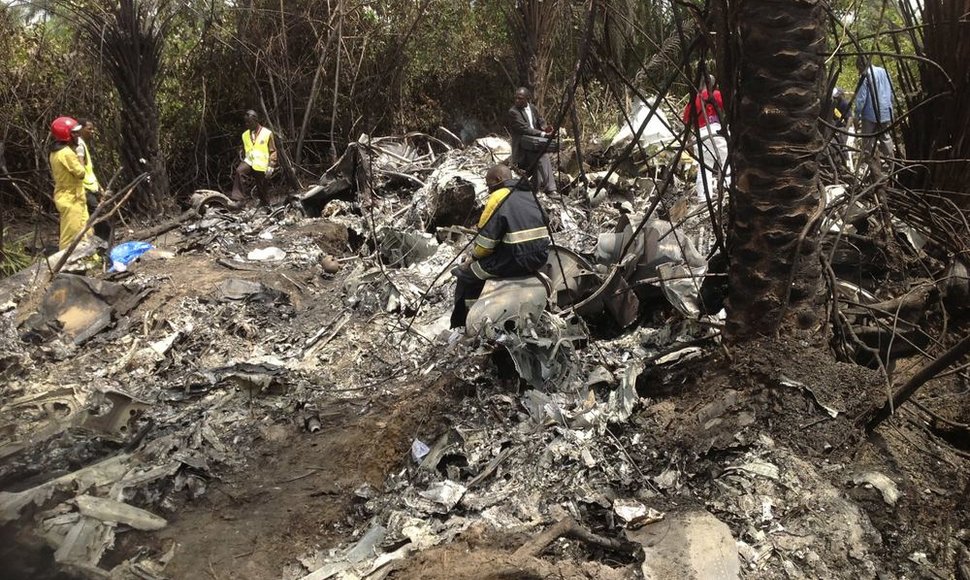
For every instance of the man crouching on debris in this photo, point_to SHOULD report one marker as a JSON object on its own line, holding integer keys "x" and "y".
{"x": 512, "y": 240}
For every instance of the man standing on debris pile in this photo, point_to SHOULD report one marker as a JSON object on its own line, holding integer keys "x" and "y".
{"x": 84, "y": 131}
{"x": 527, "y": 153}
{"x": 841, "y": 116}
{"x": 874, "y": 110}
{"x": 259, "y": 160}
{"x": 703, "y": 117}
{"x": 68, "y": 174}
{"x": 512, "y": 240}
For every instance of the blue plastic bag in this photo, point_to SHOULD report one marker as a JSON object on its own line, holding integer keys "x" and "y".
{"x": 126, "y": 253}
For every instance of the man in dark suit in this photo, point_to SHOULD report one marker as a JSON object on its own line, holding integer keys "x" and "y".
{"x": 524, "y": 119}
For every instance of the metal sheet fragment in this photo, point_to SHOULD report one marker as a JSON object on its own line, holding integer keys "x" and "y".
{"x": 507, "y": 304}
{"x": 887, "y": 487}
{"x": 107, "y": 510}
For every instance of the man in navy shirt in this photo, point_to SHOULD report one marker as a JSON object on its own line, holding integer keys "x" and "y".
{"x": 841, "y": 117}
{"x": 874, "y": 109}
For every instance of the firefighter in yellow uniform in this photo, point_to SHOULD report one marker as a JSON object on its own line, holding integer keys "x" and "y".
{"x": 68, "y": 173}
{"x": 512, "y": 240}
{"x": 259, "y": 160}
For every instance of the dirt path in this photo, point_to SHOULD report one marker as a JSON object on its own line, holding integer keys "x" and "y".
{"x": 297, "y": 490}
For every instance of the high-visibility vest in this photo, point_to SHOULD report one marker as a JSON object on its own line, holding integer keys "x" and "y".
{"x": 90, "y": 179}
{"x": 257, "y": 152}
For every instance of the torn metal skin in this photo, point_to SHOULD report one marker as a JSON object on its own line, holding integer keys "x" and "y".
{"x": 508, "y": 304}
{"x": 79, "y": 308}
{"x": 118, "y": 421}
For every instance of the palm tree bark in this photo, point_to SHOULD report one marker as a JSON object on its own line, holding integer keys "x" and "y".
{"x": 775, "y": 274}
{"x": 532, "y": 24}
{"x": 140, "y": 35}
{"x": 937, "y": 132}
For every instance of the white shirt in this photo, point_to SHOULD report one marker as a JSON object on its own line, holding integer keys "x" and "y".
{"x": 710, "y": 130}
{"x": 81, "y": 150}
{"x": 528, "y": 115}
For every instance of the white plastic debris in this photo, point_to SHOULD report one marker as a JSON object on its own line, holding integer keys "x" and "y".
{"x": 498, "y": 148}
{"x": 270, "y": 254}
{"x": 628, "y": 509}
{"x": 656, "y": 131}
{"x": 446, "y": 493}
{"x": 691, "y": 545}
{"x": 757, "y": 467}
{"x": 419, "y": 450}
{"x": 107, "y": 510}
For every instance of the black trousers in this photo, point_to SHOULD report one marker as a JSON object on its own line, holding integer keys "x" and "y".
{"x": 243, "y": 170}
{"x": 103, "y": 229}
{"x": 468, "y": 287}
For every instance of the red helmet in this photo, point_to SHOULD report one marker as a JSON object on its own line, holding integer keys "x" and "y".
{"x": 61, "y": 128}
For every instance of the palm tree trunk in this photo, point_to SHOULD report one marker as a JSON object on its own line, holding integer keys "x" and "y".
{"x": 137, "y": 51}
{"x": 775, "y": 273}
{"x": 140, "y": 149}
{"x": 532, "y": 24}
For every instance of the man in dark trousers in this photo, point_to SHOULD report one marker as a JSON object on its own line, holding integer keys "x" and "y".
{"x": 841, "y": 118}
{"x": 512, "y": 240}
{"x": 874, "y": 112}
{"x": 85, "y": 131}
{"x": 524, "y": 119}
{"x": 259, "y": 160}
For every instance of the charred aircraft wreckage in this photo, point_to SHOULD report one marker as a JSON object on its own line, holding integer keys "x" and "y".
{"x": 162, "y": 396}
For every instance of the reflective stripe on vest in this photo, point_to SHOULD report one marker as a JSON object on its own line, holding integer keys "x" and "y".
{"x": 257, "y": 153}
{"x": 523, "y": 236}
{"x": 487, "y": 243}
{"x": 479, "y": 272}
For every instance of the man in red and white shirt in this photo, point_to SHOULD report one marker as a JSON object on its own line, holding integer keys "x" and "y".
{"x": 703, "y": 116}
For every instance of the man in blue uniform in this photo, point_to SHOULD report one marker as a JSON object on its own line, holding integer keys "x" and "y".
{"x": 874, "y": 109}
{"x": 512, "y": 240}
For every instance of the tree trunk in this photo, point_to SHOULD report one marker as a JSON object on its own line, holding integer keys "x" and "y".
{"x": 775, "y": 273}
{"x": 140, "y": 150}
{"x": 935, "y": 135}
{"x": 532, "y": 24}
{"x": 136, "y": 58}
